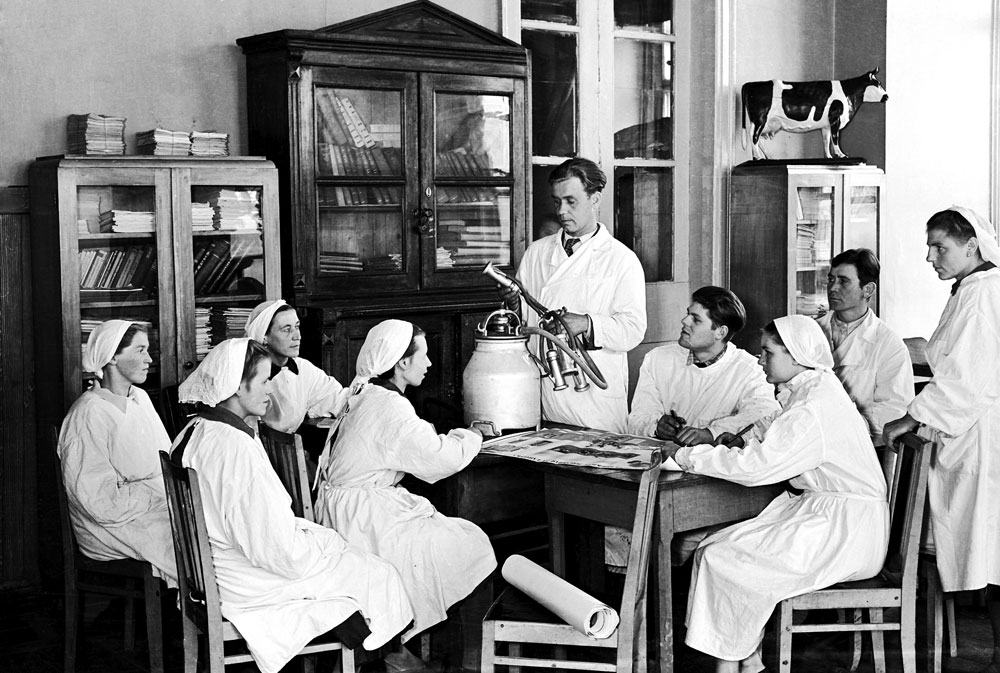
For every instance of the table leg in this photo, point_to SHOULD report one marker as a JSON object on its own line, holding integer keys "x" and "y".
{"x": 663, "y": 575}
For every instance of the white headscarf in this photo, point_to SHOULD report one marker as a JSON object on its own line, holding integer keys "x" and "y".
{"x": 260, "y": 319}
{"x": 218, "y": 376}
{"x": 985, "y": 234}
{"x": 383, "y": 348}
{"x": 102, "y": 344}
{"x": 805, "y": 341}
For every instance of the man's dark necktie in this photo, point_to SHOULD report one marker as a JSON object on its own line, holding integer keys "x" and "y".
{"x": 568, "y": 245}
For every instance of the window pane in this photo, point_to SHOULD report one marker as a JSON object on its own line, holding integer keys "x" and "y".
{"x": 653, "y": 16}
{"x": 542, "y": 210}
{"x": 643, "y": 100}
{"x": 473, "y": 135}
{"x": 553, "y": 92}
{"x": 558, "y": 11}
{"x": 644, "y": 206}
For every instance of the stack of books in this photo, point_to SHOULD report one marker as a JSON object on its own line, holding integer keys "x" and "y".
{"x": 202, "y": 216}
{"x": 162, "y": 142}
{"x": 236, "y": 209}
{"x": 127, "y": 268}
{"x": 229, "y": 323}
{"x": 332, "y": 261}
{"x": 391, "y": 262}
{"x": 96, "y": 134}
{"x": 444, "y": 258}
{"x": 202, "y": 332}
{"x": 126, "y": 221}
{"x": 209, "y": 144}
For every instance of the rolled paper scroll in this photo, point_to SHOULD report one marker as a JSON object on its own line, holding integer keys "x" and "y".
{"x": 580, "y": 610}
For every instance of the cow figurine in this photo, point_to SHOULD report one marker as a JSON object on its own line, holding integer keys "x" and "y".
{"x": 800, "y": 107}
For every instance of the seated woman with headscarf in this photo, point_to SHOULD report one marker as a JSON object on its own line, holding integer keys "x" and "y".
{"x": 283, "y": 580}
{"x": 108, "y": 449}
{"x": 380, "y": 439}
{"x": 835, "y": 530}
{"x": 299, "y": 388}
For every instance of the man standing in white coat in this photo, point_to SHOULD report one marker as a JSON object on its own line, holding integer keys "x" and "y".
{"x": 869, "y": 358}
{"x": 600, "y": 283}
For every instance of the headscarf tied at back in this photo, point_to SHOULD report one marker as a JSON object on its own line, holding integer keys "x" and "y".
{"x": 260, "y": 319}
{"x": 102, "y": 344}
{"x": 218, "y": 376}
{"x": 985, "y": 233}
{"x": 805, "y": 341}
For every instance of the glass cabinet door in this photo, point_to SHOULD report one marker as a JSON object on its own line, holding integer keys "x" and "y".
{"x": 861, "y": 212}
{"x": 221, "y": 242}
{"x": 813, "y": 216}
{"x": 363, "y": 235}
{"x": 470, "y": 192}
{"x": 122, "y": 223}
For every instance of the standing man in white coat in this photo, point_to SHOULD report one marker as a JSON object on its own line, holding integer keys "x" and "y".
{"x": 869, "y": 358}
{"x": 600, "y": 283}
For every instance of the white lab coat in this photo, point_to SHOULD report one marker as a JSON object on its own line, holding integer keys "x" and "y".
{"x": 603, "y": 279}
{"x": 311, "y": 392}
{"x": 836, "y": 530}
{"x": 283, "y": 580}
{"x": 961, "y": 408}
{"x": 441, "y": 559}
{"x": 726, "y": 396}
{"x": 109, "y": 452}
{"x": 875, "y": 368}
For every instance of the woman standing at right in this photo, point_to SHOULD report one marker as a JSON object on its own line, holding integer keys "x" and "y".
{"x": 961, "y": 406}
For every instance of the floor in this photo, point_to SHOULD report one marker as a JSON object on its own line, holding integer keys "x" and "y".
{"x": 31, "y": 640}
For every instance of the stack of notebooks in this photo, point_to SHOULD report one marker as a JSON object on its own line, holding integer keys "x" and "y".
{"x": 390, "y": 262}
{"x": 474, "y": 244}
{"x": 332, "y": 261}
{"x": 444, "y": 258}
{"x": 236, "y": 209}
{"x": 209, "y": 144}
{"x": 126, "y": 221}
{"x": 202, "y": 332}
{"x": 202, "y": 217}
{"x": 162, "y": 142}
{"x": 805, "y": 240}
{"x": 96, "y": 134}
{"x": 229, "y": 323}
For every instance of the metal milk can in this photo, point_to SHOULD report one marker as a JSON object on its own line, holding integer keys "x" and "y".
{"x": 500, "y": 385}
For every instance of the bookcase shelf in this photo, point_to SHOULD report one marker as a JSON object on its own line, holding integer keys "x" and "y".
{"x": 82, "y": 278}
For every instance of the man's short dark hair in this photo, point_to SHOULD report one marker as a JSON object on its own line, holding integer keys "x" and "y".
{"x": 723, "y": 307}
{"x": 864, "y": 260}
{"x": 589, "y": 173}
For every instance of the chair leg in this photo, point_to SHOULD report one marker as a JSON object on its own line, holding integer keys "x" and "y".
{"x": 515, "y": 651}
{"x": 347, "y": 661}
{"x": 908, "y": 635}
{"x": 489, "y": 647}
{"x": 878, "y": 640}
{"x": 934, "y": 620}
{"x": 425, "y": 646}
{"x": 154, "y": 621}
{"x": 856, "y": 656}
{"x": 190, "y": 644}
{"x": 785, "y": 637}
{"x": 72, "y": 624}
{"x": 949, "y": 604}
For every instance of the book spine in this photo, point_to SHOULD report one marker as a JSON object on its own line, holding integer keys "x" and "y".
{"x": 366, "y": 136}
{"x": 345, "y": 118}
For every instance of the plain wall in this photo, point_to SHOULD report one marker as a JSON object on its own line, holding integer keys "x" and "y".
{"x": 170, "y": 63}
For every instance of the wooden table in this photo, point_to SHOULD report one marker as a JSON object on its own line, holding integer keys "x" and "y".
{"x": 686, "y": 501}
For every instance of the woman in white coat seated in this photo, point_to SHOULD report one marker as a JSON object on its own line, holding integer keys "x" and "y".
{"x": 298, "y": 387}
{"x": 960, "y": 408}
{"x": 835, "y": 530}
{"x": 380, "y": 439}
{"x": 283, "y": 580}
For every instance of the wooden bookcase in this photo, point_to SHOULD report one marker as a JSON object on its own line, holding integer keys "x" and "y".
{"x": 186, "y": 245}
{"x": 401, "y": 142}
{"x": 786, "y": 222}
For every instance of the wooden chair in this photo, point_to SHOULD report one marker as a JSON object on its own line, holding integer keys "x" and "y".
{"x": 201, "y": 607}
{"x": 507, "y": 622}
{"x": 130, "y": 579}
{"x": 894, "y": 587}
{"x": 288, "y": 458}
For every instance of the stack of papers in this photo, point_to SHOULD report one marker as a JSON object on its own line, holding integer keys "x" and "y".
{"x": 229, "y": 323}
{"x": 209, "y": 144}
{"x": 202, "y": 332}
{"x": 391, "y": 262}
{"x": 96, "y": 134}
{"x": 332, "y": 261}
{"x": 126, "y": 221}
{"x": 444, "y": 258}
{"x": 202, "y": 217}
{"x": 236, "y": 209}
{"x": 162, "y": 142}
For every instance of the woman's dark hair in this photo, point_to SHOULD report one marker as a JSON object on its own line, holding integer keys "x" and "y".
{"x": 864, "y": 260}
{"x": 771, "y": 331}
{"x": 256, "y": 353}
{"x": 129, "y": 335}
{"x": 952, "y": 224}
{"x": 410, "y": 350}
{"x": 589, "y": 173}
{"x": 723, "y": 307}
{"x": 281, "y": 309}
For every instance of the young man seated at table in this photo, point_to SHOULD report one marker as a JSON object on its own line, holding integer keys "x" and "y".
{"x": 698, "y": 391}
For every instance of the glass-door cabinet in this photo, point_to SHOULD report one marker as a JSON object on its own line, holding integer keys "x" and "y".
{"x": 184, "y": 247}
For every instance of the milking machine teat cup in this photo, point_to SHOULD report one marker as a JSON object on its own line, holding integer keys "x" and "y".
{"x": 501, "y": 382}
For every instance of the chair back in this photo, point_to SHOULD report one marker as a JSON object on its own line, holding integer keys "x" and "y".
{"x": 288, "y": 458}
{"x": 174, "y": 414}
{"x": 634, "y": 595}
{"x": 199, "y": 592}
{"x": 907, "y": 498}
{"x": 69, "y": 546}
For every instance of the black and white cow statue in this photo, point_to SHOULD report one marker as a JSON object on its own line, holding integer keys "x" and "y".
{"x": 800, "y": 107}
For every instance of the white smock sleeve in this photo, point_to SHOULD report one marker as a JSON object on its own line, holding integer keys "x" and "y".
{"x": 323, "y": 390}
{"x": 623, "y": 328}
{"x": 93, "y": 481}
{"x": 647, "y": 404}
{"x": 757, "y": 402}
{"x": 428, "y": 456}
{"x": 893, "y": 389}
{"x": 793, "y": 445}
